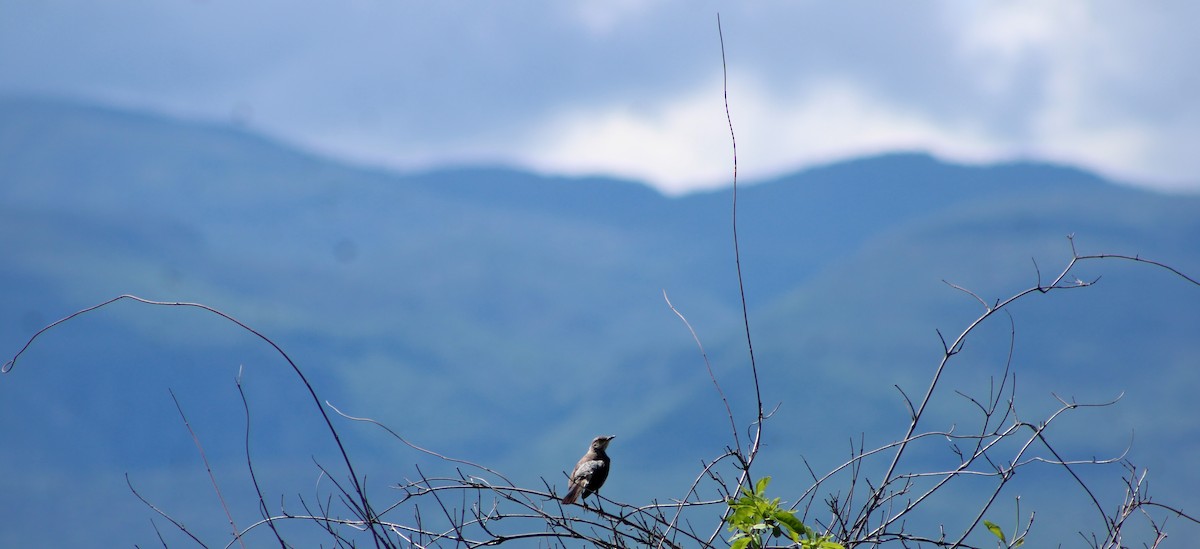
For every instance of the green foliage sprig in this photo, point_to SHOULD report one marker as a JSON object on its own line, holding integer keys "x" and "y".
{"x": 999, "y": 533}
{"x": 756, "y": 519}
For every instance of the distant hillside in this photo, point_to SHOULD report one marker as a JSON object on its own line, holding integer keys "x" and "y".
{"x": 506, "y": 317}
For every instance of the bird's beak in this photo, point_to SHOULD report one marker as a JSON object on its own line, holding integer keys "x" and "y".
{"x": 608, "y": 439}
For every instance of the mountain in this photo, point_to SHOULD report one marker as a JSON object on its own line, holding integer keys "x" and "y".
{"x": 506, "y": 317}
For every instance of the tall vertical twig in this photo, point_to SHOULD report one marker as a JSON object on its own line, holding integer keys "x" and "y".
{"x": 208, "y": 468}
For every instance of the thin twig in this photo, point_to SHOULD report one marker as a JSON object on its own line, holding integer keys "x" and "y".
{"x": 262, "y": 504}
{"x": 728, "y": 410}
{"x": 379, "y": 538}
{"x": 162, "y": 514}
{"x": 208, "y": 468}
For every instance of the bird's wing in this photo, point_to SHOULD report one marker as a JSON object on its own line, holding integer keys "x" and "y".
{"x": 585, "y": 471}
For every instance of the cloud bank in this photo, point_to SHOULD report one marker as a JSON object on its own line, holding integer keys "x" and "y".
{"x": 635, "y": 88}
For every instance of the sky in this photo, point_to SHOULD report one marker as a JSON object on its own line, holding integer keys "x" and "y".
{"x": 634, "y": 88}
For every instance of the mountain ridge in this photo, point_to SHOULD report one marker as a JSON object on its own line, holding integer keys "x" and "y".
{"x": 467, "y": 307}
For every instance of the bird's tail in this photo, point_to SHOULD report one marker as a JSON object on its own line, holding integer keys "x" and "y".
{"x": 573, "y": 493}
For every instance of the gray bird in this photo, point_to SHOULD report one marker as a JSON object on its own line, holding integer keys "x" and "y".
{"x": 591, "y": 471}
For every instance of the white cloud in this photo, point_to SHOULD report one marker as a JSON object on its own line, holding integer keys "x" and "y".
{"x": 1083, "y": 85}
{"x": 674, "y": 142}
{"x": 683, "y": 143}
{"x": 605, "y": 18}
{"x": 1066, "y": 82}
{"x": 632, "y": 88}
{"x": 1011, "y": 29}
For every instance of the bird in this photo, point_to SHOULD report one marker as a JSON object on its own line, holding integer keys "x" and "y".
{"x": 591, "y": 471}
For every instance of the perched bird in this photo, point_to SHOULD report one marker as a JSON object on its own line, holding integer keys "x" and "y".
{"x": 590, "y": 472}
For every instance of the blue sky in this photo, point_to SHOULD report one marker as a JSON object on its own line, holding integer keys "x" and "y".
{"x": 633, "y": 88}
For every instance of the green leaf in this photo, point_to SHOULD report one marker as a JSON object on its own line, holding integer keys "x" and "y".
{"x": 995, "y": 530}
{"x": 740, "y": 543}
{"x": 788, "y": 518}
{"x": 740, "y": 514}
{"x": 760, "y": 487}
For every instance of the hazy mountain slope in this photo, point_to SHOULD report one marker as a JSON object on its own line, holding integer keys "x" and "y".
{"x": 506, "y": 317}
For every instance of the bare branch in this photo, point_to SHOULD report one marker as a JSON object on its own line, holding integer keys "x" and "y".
{"x": 728, "y": 410}
{"x": 207, "y": 468}
{"x": 162, "y": 514}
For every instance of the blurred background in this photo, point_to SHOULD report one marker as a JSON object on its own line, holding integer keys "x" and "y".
{"x": 460, "y": 220}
